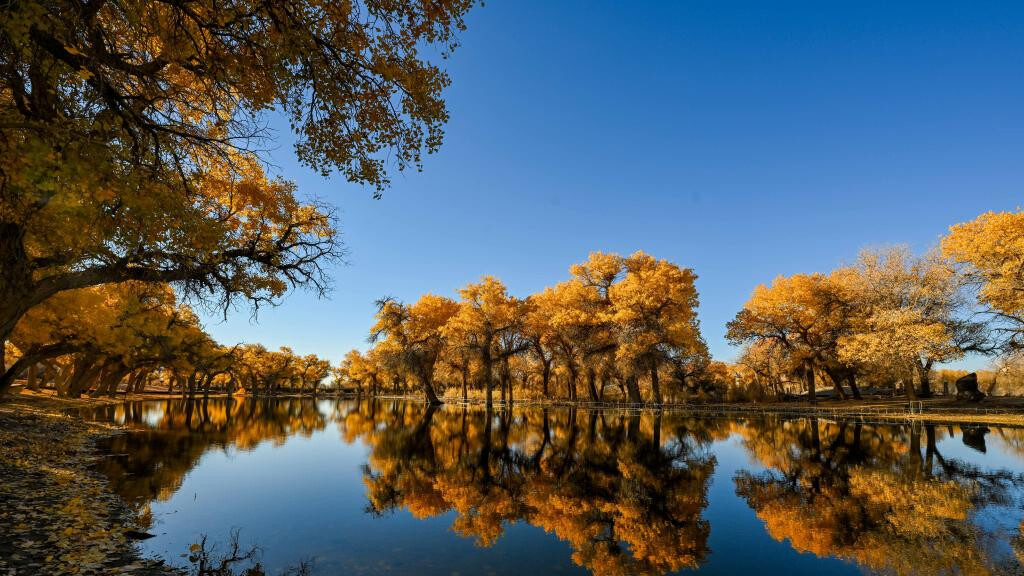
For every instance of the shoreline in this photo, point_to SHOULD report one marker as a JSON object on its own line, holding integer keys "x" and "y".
{"x": 57, "y": 513}
{"x": 1006, "y": 411}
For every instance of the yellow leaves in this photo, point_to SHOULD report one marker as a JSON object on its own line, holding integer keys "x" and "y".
{"x": 485, "y": 308}
{"x": 889, "y": 311}
{"x": 805, "y": 312}
{"x": 992, "y": 246}
{"x": 906, "y": 308}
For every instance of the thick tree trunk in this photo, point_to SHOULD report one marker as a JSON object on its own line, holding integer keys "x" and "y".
{"x": 16, "y": 281}
{"x": 655, "y": 384}
{"x": 836, "y": 377}
{"x": 191, "y": 385}
{"x": 63, "y": 379}
{"x": 503, "y": 379}
{"x": 114, "y": 381}
{"x": 571, "y": 383}
{"x": 924, "y": 372}
{"x": 851, "y": 379}
{"x": 85, "y": 371}
{"x": 809, "y": 379}
{"x": 428, "y": 388}
{"x": 592, "y": 385}
{"x": 910, "y": 390}
{"x": 633, "y": 389}
{"x": 511, "y": 396}
{"x": 32, "y": 383}
{"x": 134, "y": 380}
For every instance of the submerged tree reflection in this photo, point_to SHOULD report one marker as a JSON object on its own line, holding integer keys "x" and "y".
{"x": 625, "y": 491}
{"x": 874, "y": 495}
{"x": 170, "y": 436}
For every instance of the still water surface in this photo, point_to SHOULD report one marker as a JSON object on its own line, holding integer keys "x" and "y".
{"x": 392, "y": 487}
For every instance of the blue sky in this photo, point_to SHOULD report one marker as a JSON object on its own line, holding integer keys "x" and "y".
{"x": 741, "y": 139}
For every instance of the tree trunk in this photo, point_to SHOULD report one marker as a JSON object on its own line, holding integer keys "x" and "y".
{"x": 114, "y": 382}
{"x": 46, "y": 375}
{"x": 911, "y": 391}
{"x": 428, "y": 388}
{"x": 503, "y": 378}
{"x": 465, "y": 382}
{"x": 545, "y": 378}
{"x": 655, "y": 384}
{"x": 32, "y": 383}
{"x": 851, "y": 379}
{"x": 62, "y": 380}
{"x": 487, "y": 365}
{"x": 592, "y": 385}
{"x": 85, "y": 368}
{"x": 15, "y": 282}
{"x": 924, "y": 371}
{"x": 633, "y": 389}
{"x": 571, "y": 383}
{"x": 837, "y": 382}
{"x": 511, "y": 398}
{"x": 809, "y": 379}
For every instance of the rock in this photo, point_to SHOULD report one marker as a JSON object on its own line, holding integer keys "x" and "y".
{"x": 967, "y": 388}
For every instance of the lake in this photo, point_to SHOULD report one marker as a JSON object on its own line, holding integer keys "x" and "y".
{"x": 392, "y": 487}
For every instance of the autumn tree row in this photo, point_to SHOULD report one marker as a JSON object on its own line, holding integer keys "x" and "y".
{"x": 626, "y": 328}
{"x": 622, "y": 327}
{"x": 136, "y": 335}
{"x": 892, "y": 316}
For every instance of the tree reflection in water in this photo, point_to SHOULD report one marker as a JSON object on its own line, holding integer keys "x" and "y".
{"x": 628, "y": 492}
{"x": 625, "y": 491}
{"x": 883, "y": 497}
{"x": 169, "y": 436}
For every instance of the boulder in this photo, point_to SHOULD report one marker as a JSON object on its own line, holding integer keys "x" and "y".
{"x": 967, "y": 388}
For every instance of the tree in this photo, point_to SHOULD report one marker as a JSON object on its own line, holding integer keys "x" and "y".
{"x": 805, "y": 313}
{"x": 536, "y": 331}
{"x": 654, "y": 311}
{"x": 568, "y": 310}
{"x": 486, "y": 312}
{"x": 414, "y": 333}
{"x": 992, "y": 248}
{"x": 767, "y": 363}
{"x": 312, "y": 371}
{"x": 910, "y": 312}
{"x": 131, "y": 135}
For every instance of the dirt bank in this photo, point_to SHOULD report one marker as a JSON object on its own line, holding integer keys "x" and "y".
{"x": 56, "y": 514}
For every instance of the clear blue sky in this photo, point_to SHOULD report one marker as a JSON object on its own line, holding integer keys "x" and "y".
{"x": 741, "y": 139}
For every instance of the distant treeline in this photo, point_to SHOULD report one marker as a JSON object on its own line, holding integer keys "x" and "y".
{"x": 626, "y": 329}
